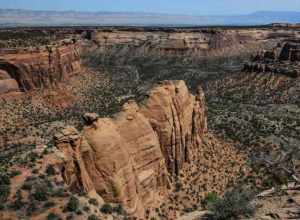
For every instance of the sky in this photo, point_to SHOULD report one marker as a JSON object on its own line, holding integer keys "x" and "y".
{"x": 192, "y": 7}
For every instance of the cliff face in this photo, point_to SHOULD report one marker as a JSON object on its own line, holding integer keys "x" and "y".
{"x": 128, "y": 158}
{"x": 36, "y": 68}
{"x": 179, "y": 119}
{"x": 197, "y": 42}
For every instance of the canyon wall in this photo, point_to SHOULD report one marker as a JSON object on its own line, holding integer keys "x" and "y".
{"x": 30, "y": 68}
{"x": 129, "y": 158}
{"x": 198, "y": 42}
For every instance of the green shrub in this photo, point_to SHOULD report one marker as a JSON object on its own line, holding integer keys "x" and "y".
{"x": 233, "y": 205}
{"x": 4, "y": 192}
{"x": 40, "y": 193}
{"x": 27, "y": 186}
{"x": 86, "y": 209}
{"x": 73, "y": 204}
{"x": 31, "y": 209}
{"x": 18, "y": 203}
{"x": 93, "y": 202}
{"x": 15, "y": 173}
{"x": 50, "y": 170}
{"x": 106, "y": 208}
{"x": 49, "y": 204}
{"x": 210, "y": 199}
{"x": 4, "y": 179}
{"x": 119, "y": 210}
{"x": 93, "y": 217}
{"x": 53, "y": 216}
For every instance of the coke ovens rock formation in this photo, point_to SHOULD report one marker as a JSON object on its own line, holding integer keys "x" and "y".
{"x": 131, "y": 157}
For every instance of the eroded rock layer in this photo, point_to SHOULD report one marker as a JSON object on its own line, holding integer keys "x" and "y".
{"x": 283, "y": 59}
{"x": 194, "y": 42}
{"x": 38, "y": 67}
{"x": 126, "y": 159}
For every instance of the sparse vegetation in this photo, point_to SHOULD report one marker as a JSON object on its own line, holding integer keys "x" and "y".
{"x": 211, "y": 198}
{"x": 73, "y": 204}
{"x": 106, "y": 208}
{"x": 233, "y": 205}
{"x": 53, "y": 216}
{"x": 50, "y": 170}
{"x": 93, "y": 217}
{"x": 4, "y": 187}
{"x": 93, "y": 202}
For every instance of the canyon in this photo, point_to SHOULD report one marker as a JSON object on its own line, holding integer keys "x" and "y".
{"x": 29, "y": 67}
{"x": 141, "y": 123}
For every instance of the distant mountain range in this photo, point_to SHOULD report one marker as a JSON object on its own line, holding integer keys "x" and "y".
{"x": 16, "y": 17}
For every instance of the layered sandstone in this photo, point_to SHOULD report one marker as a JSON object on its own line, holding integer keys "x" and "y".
{"x": 175, "y": 42}
{"x": 129, "y": 158}
{"x": 38, "y": 67}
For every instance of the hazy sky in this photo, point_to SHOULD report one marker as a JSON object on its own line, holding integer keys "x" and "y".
{"x": 196, "y": 7}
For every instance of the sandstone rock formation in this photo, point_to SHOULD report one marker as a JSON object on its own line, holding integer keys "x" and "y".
{"x": 126, "y": 159}
{"x": 281, "y": 60}
{"x": 39, "y": 67}
{"x": 201, "y": 42}
{"x": 179, "y": 119}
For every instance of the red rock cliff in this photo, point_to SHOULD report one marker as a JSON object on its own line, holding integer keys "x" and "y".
{"x": 39, "y": 67}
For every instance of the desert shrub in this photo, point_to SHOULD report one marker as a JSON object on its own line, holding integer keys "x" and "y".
{"x": 2, "y": 207}
{"x": 106, "y": 208}
{"x": 18, "y": 203}
{"x": 4, "y": 192}
{"x": 4, "y": 179}
{"x": 234, "y": 204}
{"x": 31, "y": 209}
{"x": 86, "y": 209}
{"x": 119, "y": 210}
{"x": 93, "y": 217}
{"x": 73, "y": 204}
{"x": 53, "y": 216}
{"x": 210, "y": 199}
{"x": 50, "y": 170}
{"x": 60, "y": 192}
{"x": 178, "y": 187}
{"x": 93, "y": 202}
{"x": 40, "y": 193}
{"x": 49, "y": 204}
{"x": 15, "y": 173}
{"x": 27, "y": 186}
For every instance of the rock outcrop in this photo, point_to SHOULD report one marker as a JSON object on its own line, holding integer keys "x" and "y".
{"x": 129, "y": 158}
{"x": 283, "y": 59}
{"x": 179, "y": 119}
{"x": 38, "y": 67}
